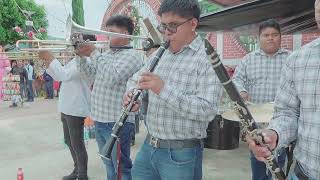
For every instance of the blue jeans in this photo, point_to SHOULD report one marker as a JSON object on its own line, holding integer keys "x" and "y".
{"x": 293, "y": 176}
{"x": 168, "y": 164}
{"x": 103, "y": 135}
{"x": 258, "y": 168}
{"x": 49, "y": 89}
{"x": 23, "y": 91}
{"x": 30, "y": 90}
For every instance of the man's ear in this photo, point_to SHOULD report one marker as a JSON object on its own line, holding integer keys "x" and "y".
{"x": 194, "y": 24}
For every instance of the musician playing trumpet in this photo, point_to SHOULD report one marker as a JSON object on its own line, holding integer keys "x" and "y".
{"x": 110, "y": 72}
{"x": 74, "y": 105}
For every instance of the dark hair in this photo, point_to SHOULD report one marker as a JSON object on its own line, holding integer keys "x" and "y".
{"x": 183, "y": 8}
{"x": 271, "y": 23}
{"x": 13, "y": 61}
{"x": 121, "y": 21}
{"x": 89, "y": 37}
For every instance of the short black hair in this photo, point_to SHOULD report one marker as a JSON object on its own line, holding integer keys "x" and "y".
{"x": 270, "y": 23}
{"x": 13, "y": 61}
{"x": 121, "y": 21}
{"x": 89, "y": 37}
{"x": 183, "y": 8}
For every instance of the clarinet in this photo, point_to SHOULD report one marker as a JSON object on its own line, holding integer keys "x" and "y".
{"x": 250, "y": 127}
{"x": 107, "y": 149}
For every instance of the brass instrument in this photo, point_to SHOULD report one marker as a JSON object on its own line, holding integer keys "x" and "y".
{"x": 72, "y": 37}
{"x": 23, "y": 55}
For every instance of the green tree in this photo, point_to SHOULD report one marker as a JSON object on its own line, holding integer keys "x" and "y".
{"x": 208, "y": 7}
{"x": 11, "y": 16}
{"x": 78, "y": 12}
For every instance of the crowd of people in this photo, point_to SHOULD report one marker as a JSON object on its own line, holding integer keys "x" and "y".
{"x": 180, "y": 97}
{"x": 30, "y": 83}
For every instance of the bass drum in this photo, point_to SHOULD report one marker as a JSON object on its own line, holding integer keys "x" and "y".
{"x": 222, "y": 134}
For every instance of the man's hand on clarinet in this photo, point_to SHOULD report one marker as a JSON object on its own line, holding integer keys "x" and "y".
{"x": 127, "y": 99}
{"x": 151, "y": 81}
{"x": 261, "y": 151}
{"x": 47, "y": 57}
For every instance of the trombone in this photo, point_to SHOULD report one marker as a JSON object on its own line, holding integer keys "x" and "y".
{"x": 34, "y": 55}
{"x": 74, "y": 29}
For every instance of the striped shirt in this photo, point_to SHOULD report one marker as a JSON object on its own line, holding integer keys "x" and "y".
{"x": 258, "y": 74}
{"x": 297, "y": 107}
{"x": 110, "y": 72}
{"x": 189, "y": 98}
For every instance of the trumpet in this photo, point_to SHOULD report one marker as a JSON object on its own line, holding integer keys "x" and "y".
{"x": 72, "y": 38}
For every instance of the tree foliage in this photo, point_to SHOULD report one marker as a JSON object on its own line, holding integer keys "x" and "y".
{"x": 208, "y": 7}
{"x": 78, "y": 12}
{"x": 132, "y": 12}
{"x": 11, "y": 16}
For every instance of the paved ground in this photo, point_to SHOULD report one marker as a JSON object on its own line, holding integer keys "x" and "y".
{"x": 31, "y": 137}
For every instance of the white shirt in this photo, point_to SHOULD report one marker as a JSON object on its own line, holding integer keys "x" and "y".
{"x": 29, "y": 69}
{"x": 74, "y": 96}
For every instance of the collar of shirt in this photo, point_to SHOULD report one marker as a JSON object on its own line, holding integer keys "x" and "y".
{"x": 113, "y": 51}
{"x": 261, "y": 52}
{"x": 314, "y": 43}
{"x": 194, "y": 45}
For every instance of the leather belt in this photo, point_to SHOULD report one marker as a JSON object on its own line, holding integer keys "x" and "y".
{"x": 173, "y": 144}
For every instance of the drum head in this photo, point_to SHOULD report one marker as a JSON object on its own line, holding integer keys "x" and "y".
{"x": 261, "y": 113}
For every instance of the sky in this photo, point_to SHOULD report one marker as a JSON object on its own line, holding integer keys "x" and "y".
{"x": 58, "y": 11}
{"x": 94, "y": 10}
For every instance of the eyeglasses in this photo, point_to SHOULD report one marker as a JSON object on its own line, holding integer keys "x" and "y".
{"x": 172, "y": 28}
{"x": 273, "y": 35}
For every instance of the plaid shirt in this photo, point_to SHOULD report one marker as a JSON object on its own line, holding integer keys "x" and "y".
{"x": 110, "y": 71}
{"x": 297, "y": 107}
{"x": 258, "y": 74}
{"x": 189, "y": 98}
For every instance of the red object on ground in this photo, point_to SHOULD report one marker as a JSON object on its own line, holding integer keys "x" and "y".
{"x": 56, "y": 85}
{"x": 20, "y": 174}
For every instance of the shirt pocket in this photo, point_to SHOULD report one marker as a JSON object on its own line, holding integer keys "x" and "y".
{"x": 184, "y": 80}
{"x": 255, "y": 78}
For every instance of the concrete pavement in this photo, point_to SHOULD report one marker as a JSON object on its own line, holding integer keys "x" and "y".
{"x": 31, "y": 138}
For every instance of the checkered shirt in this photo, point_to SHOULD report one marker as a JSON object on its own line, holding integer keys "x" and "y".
{"x": 189, "y": 98}
{"x": 110, "y": 71}
{"x": 259, "y": 75}
{"x": 297, "y": 107}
